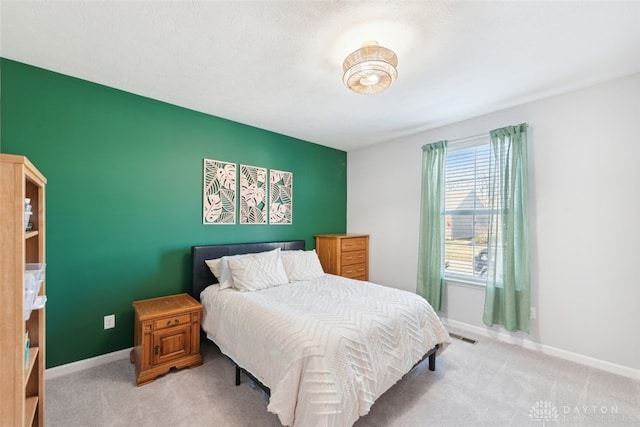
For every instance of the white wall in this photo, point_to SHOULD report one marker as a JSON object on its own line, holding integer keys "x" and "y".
{"x": 584, "y": 154}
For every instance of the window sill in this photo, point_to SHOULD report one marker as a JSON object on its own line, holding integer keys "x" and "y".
{"x": 467, "y": 283}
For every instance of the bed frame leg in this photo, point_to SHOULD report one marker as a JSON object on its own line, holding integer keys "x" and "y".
{"x": 237, "y": 375}
{"x": 432, "y": 361}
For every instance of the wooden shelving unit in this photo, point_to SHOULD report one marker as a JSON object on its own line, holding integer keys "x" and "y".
{"x": 21, "y": 373}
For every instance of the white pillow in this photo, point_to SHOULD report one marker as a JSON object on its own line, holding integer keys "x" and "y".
{"x": 220, "y": 268}
{"x": 258, "y": 271}
{"x": 301, "y": 265}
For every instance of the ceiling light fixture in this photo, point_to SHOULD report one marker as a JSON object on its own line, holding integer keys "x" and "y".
{"x": 370, "y": 69}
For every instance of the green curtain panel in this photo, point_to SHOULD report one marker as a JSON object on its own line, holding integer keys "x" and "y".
{"x": 507, "y": 300}
{"x": 431, "y": 246}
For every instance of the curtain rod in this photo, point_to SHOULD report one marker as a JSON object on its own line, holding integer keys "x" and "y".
{"x": 468, "y": 138}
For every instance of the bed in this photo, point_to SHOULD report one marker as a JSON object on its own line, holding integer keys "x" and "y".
{"x": 323, "y": 347}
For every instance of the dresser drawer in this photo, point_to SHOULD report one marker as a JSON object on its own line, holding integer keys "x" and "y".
{"x": 354, "y": 257}
{"x": 354, "y": 244}
{"x": 169, "y": 322}
{"x": 356, "y": 271}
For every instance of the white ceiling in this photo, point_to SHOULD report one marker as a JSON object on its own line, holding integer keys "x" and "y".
{"x": 277, "y": 65}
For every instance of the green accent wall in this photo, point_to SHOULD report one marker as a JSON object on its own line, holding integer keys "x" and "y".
{"x": 124, "y": 196}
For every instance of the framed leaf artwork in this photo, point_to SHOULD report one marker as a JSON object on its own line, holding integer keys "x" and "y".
{"x": 253, "y": 195}
{"x": 219, "y": 192}
{"x": 280, "y": 197}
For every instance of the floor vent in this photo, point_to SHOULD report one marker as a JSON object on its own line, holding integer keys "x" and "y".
{"x": 461, "y": 338}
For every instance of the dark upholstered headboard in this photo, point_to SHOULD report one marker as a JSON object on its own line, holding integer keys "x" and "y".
{"x": 202, "y": 276}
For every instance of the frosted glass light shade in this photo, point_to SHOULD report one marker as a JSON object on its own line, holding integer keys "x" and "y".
{"x": 370, "y": 69}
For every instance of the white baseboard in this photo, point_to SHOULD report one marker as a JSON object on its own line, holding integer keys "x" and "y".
{"x": 625, "y": 371}
{"x": 80, "y": 365}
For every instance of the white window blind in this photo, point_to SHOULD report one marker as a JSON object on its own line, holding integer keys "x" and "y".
{"x": 466, "y": 211}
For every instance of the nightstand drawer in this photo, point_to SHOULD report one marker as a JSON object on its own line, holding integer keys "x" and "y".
{"x": 357, "y": 271}
{"x": 169, "y": 322}
{"x": 355, "y": 257}
{"x": 354, "y": 244}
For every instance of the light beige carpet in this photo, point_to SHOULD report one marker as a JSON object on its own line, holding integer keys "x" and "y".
{"x": 487, "y": 384}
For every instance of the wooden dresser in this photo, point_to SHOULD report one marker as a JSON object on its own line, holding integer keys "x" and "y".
{"x": 344, "y": 254}
{"x": 166, "y": 335}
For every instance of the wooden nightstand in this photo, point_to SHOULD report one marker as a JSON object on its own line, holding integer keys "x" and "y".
{"x": 166, "y": 335}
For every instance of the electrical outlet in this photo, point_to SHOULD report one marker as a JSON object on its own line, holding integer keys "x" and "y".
{"x": 110, "y": 321}
{"x": 533, "y": 313}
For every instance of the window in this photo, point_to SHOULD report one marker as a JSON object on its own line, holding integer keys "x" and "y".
{"x": 466, "y": 211}
{"x": 485, "y": 239}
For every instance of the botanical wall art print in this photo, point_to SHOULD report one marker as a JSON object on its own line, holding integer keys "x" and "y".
{"x": 253, "y": 195}
{"x": 280, "y": 197}
{"x": 219, "y": 193}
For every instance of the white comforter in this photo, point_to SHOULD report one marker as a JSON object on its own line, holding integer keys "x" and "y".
{"x": 327, "y": 348}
